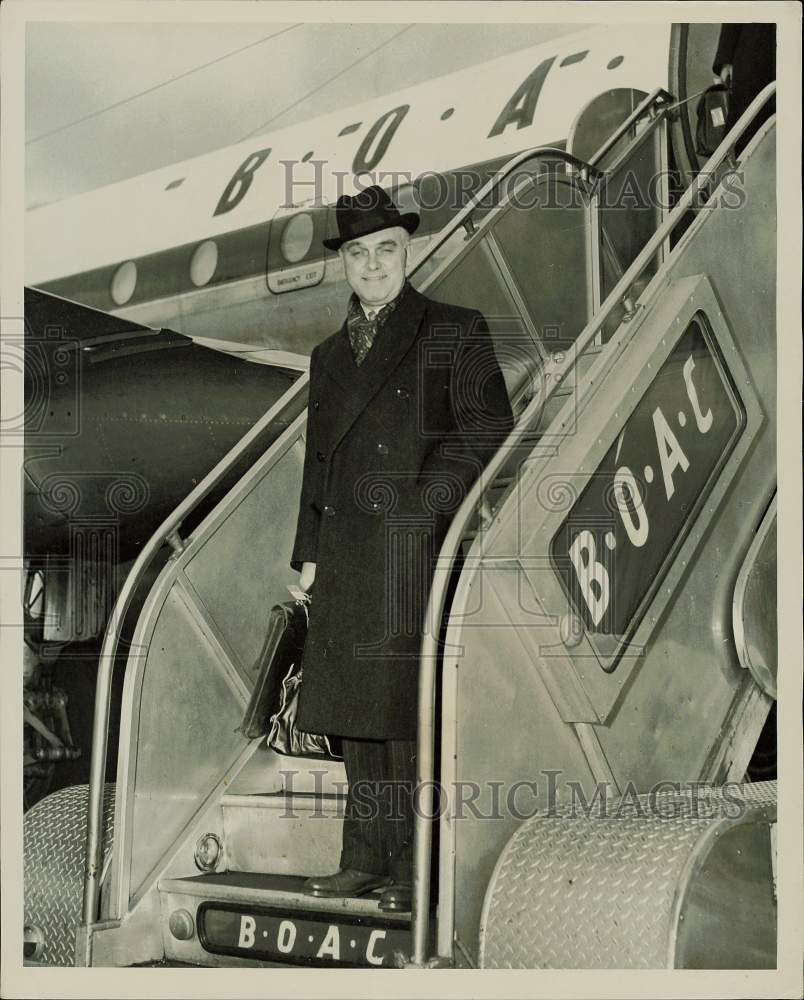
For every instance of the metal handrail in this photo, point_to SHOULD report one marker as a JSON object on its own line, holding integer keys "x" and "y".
{"x": 656, "y": 98}
{"x": 585, "y": 170}
{"x": 166, "y": 532}
{"x": 425, "y": 760}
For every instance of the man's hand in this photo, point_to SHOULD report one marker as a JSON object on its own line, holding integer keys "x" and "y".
{"x": 726, "y": 75}
{"x": 307, "y": 576}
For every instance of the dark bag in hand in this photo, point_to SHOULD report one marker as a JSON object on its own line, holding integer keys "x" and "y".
{"x": 285, "y": 737}
{"x": 274, "y": 700}
{"x": 713, "y": 112}
{"x": 284, "y": 641}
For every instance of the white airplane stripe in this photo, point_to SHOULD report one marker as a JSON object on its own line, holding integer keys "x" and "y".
{"x": 144, "y": 214}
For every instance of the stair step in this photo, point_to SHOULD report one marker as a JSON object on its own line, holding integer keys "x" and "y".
{"x": 284, "y": 833}
{"x": 284, "y": 800}
{"x": 248, "y": 889}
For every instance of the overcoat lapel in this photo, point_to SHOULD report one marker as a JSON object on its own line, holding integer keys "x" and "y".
{"x": 358, "y": 384}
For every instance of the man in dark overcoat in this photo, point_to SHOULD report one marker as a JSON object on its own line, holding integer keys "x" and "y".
{"x": 406, "y": 405}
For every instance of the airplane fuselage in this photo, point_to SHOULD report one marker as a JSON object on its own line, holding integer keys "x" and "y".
{"x": 219, "y": 247}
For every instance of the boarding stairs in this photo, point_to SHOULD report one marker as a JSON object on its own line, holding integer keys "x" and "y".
{"x": 562, "y": 285}
{"x": 480, "y": 264}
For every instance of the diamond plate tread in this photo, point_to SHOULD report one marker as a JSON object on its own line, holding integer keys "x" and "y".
{"x": 707, "y": 801}
{"x": 54, "y": 842}
{"x": 573, "y": 891}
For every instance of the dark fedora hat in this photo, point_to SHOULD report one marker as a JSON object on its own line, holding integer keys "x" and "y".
{"x": 368, "y": 212}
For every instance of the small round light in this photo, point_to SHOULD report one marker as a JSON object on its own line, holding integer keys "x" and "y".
{"x": 124, "y": 282}
{"x": 181, "y": 925}
{"x": 203, "y": 263}
{"x": 297, "y": 237}
{"x": 208, "y": 852}
{"x": 33, "y": 942}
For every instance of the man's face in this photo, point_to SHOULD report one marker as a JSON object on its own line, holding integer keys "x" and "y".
{"x": 375, "y": 265}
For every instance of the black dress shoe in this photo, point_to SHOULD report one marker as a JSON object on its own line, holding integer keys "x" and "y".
{"x": 398, "y": 897}
{"x": 347, "y": 882}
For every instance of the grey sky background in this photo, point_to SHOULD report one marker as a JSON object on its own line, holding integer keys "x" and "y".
{"x": 179, "y": 90}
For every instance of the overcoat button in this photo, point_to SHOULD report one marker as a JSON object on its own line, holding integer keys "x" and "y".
{"x": 321, "y": 456}
{"x": 402, "y": 392}
{"x": 316, "y": 404}
{"x": 329, "y": 511}
{"x": 382, "y": 449}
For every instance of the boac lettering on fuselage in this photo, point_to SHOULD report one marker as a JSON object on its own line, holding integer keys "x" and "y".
{"x": 381, "y": 133}
{"x": 235, "y": 190}
{"x": 518, "y": 110}
{"x": 521, "y": 106}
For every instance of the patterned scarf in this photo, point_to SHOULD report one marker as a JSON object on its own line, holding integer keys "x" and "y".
{"x": 362, "y": 330}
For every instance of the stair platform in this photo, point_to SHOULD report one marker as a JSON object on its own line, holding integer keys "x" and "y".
{"x": 251, "y": 918}
{"x": 259, "y": 889}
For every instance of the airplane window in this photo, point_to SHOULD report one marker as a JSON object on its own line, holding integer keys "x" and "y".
{"x": 124, "y": 281}
{"x": 297, "y": 237}
{"x": 203, "y": 262}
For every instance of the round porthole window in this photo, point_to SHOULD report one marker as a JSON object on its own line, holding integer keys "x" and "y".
{"x": 124, "y": 282}
{"x": 297, "y": 237}
{"x": 203, "y": 263}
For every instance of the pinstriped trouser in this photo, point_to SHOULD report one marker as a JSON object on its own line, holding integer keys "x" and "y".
{"x": 378, "y": 819}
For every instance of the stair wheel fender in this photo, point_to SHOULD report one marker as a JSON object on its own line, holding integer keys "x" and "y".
{"x": 54, "y": 845}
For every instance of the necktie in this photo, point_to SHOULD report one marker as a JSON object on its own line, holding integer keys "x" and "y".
{"x": 363, "y": 328}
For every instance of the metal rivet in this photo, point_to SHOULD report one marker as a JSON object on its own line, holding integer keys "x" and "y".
{"x": 571, "y": 630}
